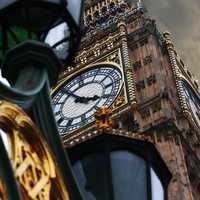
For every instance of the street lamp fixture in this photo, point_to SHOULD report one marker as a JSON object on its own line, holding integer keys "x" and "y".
{"x": 55, "y": 22}
{"x": 36, "y": 38}
{"x": 126, "y": 168}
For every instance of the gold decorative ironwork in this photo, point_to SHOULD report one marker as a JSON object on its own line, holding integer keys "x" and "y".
{"x": 114, "y": 57}
{"x": 103, "y": 118}
{"x": 32, "y": 161}
{"x": 120, "y": 100}
{"x": 2, "y": 191}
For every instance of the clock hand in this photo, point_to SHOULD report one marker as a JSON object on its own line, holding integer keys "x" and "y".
{"x": 94, "y": 98}
{"x": 82, "y": 99}
{"x": 72, "y": 94}
{"x": 78, "y": 99}
{"x": 87, "y": 99}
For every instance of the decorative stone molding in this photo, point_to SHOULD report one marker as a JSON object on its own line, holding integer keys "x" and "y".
{"x": 118, "y": 132}
{"x": 180, "y": 76}
{"x": 174, "y": 66}
{"x": 127, "y": 65}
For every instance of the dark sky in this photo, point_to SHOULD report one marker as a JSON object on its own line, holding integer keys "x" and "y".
{"x": 182, "y": 19}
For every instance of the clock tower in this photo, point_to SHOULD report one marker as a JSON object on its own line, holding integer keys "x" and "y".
{"x": 126, "y": 64}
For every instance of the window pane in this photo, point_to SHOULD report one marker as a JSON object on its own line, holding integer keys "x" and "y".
{"x": 129, "y": 176}
{"x": 74, "y": 7}
{"x": 92, "y": 176}
{"x": 5, "y": 139}
{"x": 4, "y": 3}
{"x": 56, "y": 35}
{"x": 156, "y": 187}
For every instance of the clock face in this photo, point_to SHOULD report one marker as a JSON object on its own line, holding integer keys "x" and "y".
{"x": 76, "y": 100}
{"x": 193, "y": 102}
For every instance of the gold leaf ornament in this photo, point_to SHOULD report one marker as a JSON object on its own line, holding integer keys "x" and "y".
{"x": 32, "y": 161}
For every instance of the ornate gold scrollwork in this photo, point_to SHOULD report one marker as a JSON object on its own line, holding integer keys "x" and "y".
{"x": 31, "y": 159}
{"x": 103, "y": 118}
{"x": 114, "y": 57}
{"x": 120, "y": 100}
{"x": 2, "y": 191}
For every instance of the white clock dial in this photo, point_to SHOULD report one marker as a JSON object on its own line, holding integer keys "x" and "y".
{"x": 76, "y": 100}
{"x": 193, "y": 102}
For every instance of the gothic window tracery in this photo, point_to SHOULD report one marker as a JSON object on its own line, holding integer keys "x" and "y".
{"x": 143, "y": 42}
{"x": 156, "y": 106}
{"x": 137, "y": 65}
{"x": 103, "y": 12}
{"x": 140, "y": 85}
{"x": 147, "y": 60}
{"x": 151, "y": 79}
{"x": 145, "y": 113}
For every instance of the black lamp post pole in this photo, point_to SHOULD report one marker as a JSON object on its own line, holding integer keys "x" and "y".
{"x": 33, "y": 67}
{"x": 7, "y": 175}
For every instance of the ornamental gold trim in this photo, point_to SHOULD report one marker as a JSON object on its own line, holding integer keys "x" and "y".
{"x": 88, "y": 67}
{"x": 103, "y": 118}
{"x": 2, "y": 191}
{"x": 119, "y": 100}
{"x": 32, "y": 161}
{"x": 108, "y": 131}
{"x": 113, "y": 58}
{"x": 84, "y": 133}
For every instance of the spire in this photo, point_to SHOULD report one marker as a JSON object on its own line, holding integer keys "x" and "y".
{"x": 140, "y": 5}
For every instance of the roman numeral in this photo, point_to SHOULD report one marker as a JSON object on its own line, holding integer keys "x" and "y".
{"x": 58, "y": 103}
{"x": 95, "y": 74}
{"x": 81, "y": 81}
{"x": 61, "y": 130}
{"x": 83, "y": 117}
{"x": 96, "y": 107}
{"x": 107, "y": 86}
{"x": 57, "y": 113}
{"x": 60, "y": 121}
{"x": 69, "y": 122}
{"x": 107, "y": 95}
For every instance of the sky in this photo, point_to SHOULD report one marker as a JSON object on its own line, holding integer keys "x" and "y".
{"x": 182, "y": 19}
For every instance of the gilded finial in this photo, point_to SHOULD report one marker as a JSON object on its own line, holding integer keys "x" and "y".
{"x": 103, "y": 118}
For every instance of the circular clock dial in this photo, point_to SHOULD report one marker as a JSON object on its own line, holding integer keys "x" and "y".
{"x": 76, "y": 100}
{"x": 193, "y": 102}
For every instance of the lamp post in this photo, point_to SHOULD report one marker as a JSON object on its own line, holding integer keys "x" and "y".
{"x": 127, "y": 168}
{"x": 55, "y": 22}
{"x": 36, "y": 38}
{"x": 126, "y": 165}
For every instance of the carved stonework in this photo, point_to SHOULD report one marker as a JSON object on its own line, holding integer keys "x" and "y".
{"x": 110, "y": 131}
{"x": 32, "y": 161}
{"x": 120, "y": 100}
{"x": 103, "y": 118}
{"x": 129, "y": 72}
{"x": 114, "y": 57}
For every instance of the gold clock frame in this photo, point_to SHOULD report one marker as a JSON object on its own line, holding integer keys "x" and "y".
{"x": 119, "y": 101}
